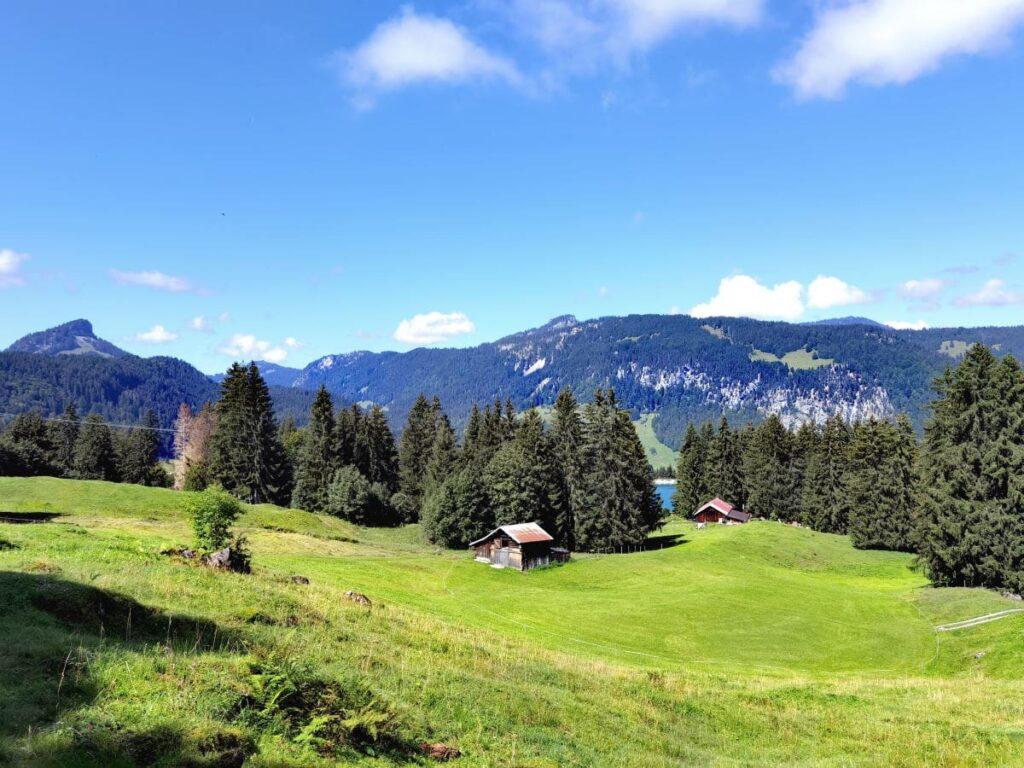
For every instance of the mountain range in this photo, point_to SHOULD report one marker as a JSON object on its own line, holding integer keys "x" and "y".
{"x": 677, "y": 367}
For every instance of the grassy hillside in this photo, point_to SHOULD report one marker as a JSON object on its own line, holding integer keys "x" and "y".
{"x": 659, "y": 454}
{"x": 755, "y": 645}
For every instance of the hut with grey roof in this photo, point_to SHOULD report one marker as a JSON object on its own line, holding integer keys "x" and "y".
{"x": 522, "y": 547}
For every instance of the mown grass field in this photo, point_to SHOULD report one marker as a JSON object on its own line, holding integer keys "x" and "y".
{"x": 745, "y": 646}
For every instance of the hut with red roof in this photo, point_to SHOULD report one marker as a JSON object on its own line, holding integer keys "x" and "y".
{"x": 522, "y": 547}
{"x": 718, "y": 511}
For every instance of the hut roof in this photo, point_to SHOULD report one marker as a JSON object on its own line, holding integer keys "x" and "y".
{"x": 524, "y": 533}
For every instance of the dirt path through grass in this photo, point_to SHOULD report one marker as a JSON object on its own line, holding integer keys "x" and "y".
{"x": 978, "y": 620}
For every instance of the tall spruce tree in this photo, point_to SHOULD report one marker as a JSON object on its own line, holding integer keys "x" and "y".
{"x": 567, "y": 447}
{"x": 766, "y": 467}
{"x": 94, "y": 451}
{"x": 247, "y": 457}
{"x": 29, "y": 441}
{"x": 881, "y": 484}
{"x": 415, "y": 451}
{"x": 459, "y": 511}
{"x": 317, "y": 460}
{"x": 140, "y": 452}
{"x": 825, "y": 498}
{"x": 969, "y": 529}
{"x": 63, "y": 436}
{"x": 692, "y": 485}
{"x": 377, "y": 454}
{"x": 725, "y": 466}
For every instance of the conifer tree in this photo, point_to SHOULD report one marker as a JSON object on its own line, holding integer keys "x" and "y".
{"x": 691, "y": 474}
{"x": 825, "y": 499}
{"x": 459, "y": 511}
{"x": 969, "y": 521}
{"x": 415, "y": 452}
{"x": 317, "y": 461}
{"x": 567, "y": 447}
{"x": 444, "y": 455}
{"x": 94, "y": 451}
{"x": 28, "y": 440}
{"x": 522, "y": 479}
{"x": 725, "y": 466}
{"x": 139, "y": 454}
{"x": 246, "y": 455}
{"x": 378, "y": 456}
{"x": 63, "y": 436}
{"x": 766, "y": 468}
{"x": 882, "y": 484}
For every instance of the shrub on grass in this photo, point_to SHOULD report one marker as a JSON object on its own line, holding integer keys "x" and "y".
{"x": 212, "y": 512}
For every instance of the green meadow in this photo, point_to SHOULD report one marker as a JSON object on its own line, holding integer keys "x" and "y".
{"x": 733, "y": 646}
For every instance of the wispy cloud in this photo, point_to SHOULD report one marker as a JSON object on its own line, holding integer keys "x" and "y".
{"x": 993, "y": 293}
{"x": 416, "y": 48}
{"x": 433, "y": 327}
{"x": 201, "y": 324}
{"x": 246, "y": 346}
{"x": 155, "y": 335}
{"x": 152, "y": 279}
{"x": 744, "y": 296}
{"x": 292, "y": 343}
{"x": 926, "y": 288}
{"x": 10, "y": 268}
{"x": 882, "y": 42}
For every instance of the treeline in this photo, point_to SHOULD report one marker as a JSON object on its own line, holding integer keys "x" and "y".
{"x": 957, "y": 499}
{"x": 837, "y": 478}
{"x": 586, "y": 479}
{"x": 86, "y": 449}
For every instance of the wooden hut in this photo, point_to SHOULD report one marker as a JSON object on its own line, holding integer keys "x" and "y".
{"x": 722, "y": 512}
{"x": 522, "y": 547}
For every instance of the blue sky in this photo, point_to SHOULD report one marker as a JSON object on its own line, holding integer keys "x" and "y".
{"x": 277, "y": 181}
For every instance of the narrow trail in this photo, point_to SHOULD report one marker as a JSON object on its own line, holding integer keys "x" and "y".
{"x": 977, "y": 620}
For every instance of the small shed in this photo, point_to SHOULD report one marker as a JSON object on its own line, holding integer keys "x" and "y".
{"x": 718, "y": 511}
{"x": 522, "y": 547}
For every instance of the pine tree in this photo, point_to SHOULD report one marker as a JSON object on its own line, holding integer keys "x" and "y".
{"x": 567, "y": 447}
{"x": 881, "y": 485}
{"x": 444, "y": 455}
{"x": 459, "y": 511}
{"x": 692, "y": 485}
{"x": 725, "y": 466}
{"x": 63, "y": 436}
{"x": 192, "y": 434}
{"x": 139, "y": 453}
{"x": 28, "y": 440}
{"x": 378, "y": 456}
{"x": 766, "y": 467}
{"x": 246, "y": 454}
{"x": 317, "y": 461}
{"x": 825, "y": 499}
{"x": 523, "y": 481}
{"x": 414, "y": 452}
{"x": 969, "y": 521}
{"x": 94, "y": 451}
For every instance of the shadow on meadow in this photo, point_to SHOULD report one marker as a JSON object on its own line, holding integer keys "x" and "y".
{"x": 51, "y": 630}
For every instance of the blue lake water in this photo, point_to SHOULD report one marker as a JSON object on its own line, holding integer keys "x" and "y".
{"x": 665, "y": 492}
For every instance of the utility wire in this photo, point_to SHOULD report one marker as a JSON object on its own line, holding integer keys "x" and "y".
{"x": 62, "y": 420}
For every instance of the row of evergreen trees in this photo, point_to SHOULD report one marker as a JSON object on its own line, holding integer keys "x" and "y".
{"x": 585, "y": 479}
{"x": 957, "y": 499}
{"x": 838, "y": 478}
{"x": 87, "y": 449}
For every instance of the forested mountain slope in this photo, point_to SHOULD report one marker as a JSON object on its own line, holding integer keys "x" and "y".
{"x": 679, "y": 367}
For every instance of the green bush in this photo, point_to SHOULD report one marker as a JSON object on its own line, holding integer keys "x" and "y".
{"x": 212, "y": 512}
{"x": 197, "y": 477}
{"x": 354, "y": 498}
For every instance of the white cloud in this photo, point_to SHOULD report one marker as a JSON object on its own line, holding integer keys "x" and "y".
{"x": 743, "y": 296}
{"x": 292, "y": 343}
{"x": 921, "y": 290}
{"x": 155, "y": 335}
{"x": 152, "y": 279}
{"x": 904, "y": 325}
{"x": 414, "y": 48}
{"x": 881, "y": 42}
{"x": 827, "y": 292}
{"x": 246, "y": 346}
{"x": 433, "y": 327}
{"x": 993, "y": 294}
{"x": 602, "y": 292}
{"x": 201, "y": 324}
{"x": 10, "y": 266}
{"x": 644, "y": 23}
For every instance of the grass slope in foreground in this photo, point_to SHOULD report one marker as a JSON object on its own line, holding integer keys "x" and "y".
{"x": 755, "y": 645}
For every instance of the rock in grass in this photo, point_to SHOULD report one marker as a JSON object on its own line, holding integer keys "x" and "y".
{"x": 1012, "y": 596}
{"x": 979, "y": 655}
{"x": 298, "y": 580}
{"x": 358, "y": 597}
{"x": 440, "y": 752}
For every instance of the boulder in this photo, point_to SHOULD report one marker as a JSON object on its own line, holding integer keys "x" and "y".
{"x": 220, "y": 559}
{"x": 358, "y": 597}
{"x": 298, "y": 580}
{"x": 440, "y": 752}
